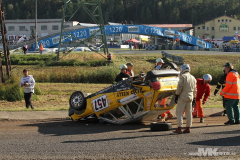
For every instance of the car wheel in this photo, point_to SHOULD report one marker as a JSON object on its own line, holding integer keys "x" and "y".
{"x": 160, "y": 126}
{"x": 77, "y": 101}
{"x": 170, "y": 65}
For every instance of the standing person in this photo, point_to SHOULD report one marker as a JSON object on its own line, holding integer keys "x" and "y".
{"x": 28, "y": 82}
{"x": 122, "y": 74}
{"x": 125, "y": 22}
{"x": 185, "y": 97}
{"x": 25, "y": 48}
{"x": 221, "y": 83}
{"x": 203, "y": 88}
{"x": 231, "y": 93}
{"x": 41, "y": 48}
{"x": 109, "y": 57}
{"x": 135, "y": 46}
{"x": 130, "y": 69}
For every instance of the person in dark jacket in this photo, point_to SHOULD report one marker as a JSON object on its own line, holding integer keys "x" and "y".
{"x": 122, "y": 74}
{"x": 221, "y": 83}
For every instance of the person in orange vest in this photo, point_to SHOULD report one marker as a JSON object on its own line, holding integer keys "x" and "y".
{"x": 109, "y": 57}
{"x": 130, "y": 69}
{"x": 41, "y": 48}
{"x": 203, "y": 88}
{"x": 231, "y": 93}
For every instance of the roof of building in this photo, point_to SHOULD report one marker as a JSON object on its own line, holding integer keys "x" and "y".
{"x": 33, "y": 21}
{"x": 170, "y": 25}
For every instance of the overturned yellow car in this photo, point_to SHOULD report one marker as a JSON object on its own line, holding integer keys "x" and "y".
{"x": 128, "y": 100}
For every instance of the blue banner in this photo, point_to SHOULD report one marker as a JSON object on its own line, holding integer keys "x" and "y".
{"x": 128, "y": 29}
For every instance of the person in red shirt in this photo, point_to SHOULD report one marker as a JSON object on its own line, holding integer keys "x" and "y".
{"x": 203, "y": 88}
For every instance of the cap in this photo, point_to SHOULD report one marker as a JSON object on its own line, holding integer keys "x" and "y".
{"x": 228, "y": 64}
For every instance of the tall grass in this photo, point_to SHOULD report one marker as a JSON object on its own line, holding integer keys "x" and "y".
{"x": 11, "y": 91}
{"x": 105, "y": 74}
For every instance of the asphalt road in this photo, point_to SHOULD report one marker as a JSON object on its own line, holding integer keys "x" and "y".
{"x": 63, "y": 139}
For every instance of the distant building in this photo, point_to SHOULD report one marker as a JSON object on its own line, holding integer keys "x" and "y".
{"x": 217, "y": 28}
{"x": 186, "y": 28}
{"x": 25, "y": 27}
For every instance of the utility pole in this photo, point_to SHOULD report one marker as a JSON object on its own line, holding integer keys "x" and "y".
{"x": 36, "y": 24}
{"x": 5, "y": 44}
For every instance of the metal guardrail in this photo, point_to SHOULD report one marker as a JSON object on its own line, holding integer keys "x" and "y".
{"x": 172, "y": 58}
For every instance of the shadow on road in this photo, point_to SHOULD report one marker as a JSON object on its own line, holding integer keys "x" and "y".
{"x": 229, "y": 141}
{"x": 67, "y": 127}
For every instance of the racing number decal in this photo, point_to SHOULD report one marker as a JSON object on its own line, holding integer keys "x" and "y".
{"x": 100, "y": 103}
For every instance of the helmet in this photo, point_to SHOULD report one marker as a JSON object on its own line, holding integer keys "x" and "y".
{"x": 207, "y": 77}
{"x": 123, "y": 66}
{"x": 159, "y": 60}
{"x": 129, "y": 64}
{"x": 184, "y": 68}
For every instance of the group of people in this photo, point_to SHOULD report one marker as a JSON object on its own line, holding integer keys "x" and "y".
{"x": 193, "y": 92}
{"x": 25, "y": 48}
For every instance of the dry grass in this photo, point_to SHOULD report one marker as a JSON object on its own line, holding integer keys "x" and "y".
{"x": 56, "y": 97}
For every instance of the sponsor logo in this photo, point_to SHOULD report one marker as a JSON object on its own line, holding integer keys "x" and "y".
{"x": 129, "y": 99}
{"x": 169, "y": 33}
{"x": 210, "y": 152}
{"x": 133, "y": 29}
{"x": 94, "y": 32}
{"x": 127, "y": 93}
{"x": 201, "y": 43}
{"x": 148, "y": 94}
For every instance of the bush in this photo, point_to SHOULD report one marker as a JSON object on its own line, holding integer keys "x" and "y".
{"x": 13, "y": 93}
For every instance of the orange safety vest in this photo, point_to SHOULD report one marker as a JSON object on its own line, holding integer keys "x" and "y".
{"x": 232, "y": 86}
{"x": 41, "y": 47}
{"x": 129, "y": 72}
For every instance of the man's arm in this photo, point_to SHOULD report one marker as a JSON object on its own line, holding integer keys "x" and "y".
{"x": 207, "y": 94}
{"x": 228, "y": 84}
{"x": 180, "y": 86}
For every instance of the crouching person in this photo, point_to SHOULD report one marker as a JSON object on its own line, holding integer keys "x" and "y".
{"x": 185, "y": 96}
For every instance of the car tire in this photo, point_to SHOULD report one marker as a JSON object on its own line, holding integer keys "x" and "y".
{"x": 170, "y": 65}
{"x": 77, "y": 101}
{"x": 160, "y": 126}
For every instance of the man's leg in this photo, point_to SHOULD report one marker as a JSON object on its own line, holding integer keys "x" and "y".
{"x": 179, "y": 112}
{"x": 30, "y": 100}
{"x": 236, "y": 111}
{"x": 229, "y": 109}
{"x": 224, "y": 108}
{"x": 199, "y": 109}
{"x": 188, "y": 113}
{"x": 26, "y": 95}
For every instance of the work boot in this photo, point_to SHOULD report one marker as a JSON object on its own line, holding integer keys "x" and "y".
{"x": 169, "y": 116}
{"x": 237, "y": 122}
{"x": 178, "y": 130}
{"x": 187, "y": 130}
{"x": 201, "y": 120}
{"x": 229, "y": 123}
{"x": 32, "y": 107}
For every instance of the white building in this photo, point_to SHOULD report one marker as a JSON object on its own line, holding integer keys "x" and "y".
{"x": 25, "y": 27}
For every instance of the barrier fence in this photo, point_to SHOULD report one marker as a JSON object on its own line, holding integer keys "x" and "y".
{"x": 172, "y": 58}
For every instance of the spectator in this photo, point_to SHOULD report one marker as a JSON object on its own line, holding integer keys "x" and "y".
{"x": 41, "y": 48}
{"x": 231, "y": 93}
{"x": 28, "y": 83}
{"x": 25, "y": 48}
{"x": 109, "y": 57}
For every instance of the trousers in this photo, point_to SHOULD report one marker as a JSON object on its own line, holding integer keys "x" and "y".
{"x": 28, "y": 98}
{"x": 199, "y": 109}
{"x": 232, "y": 105}
{"x": 181, "y": 106}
